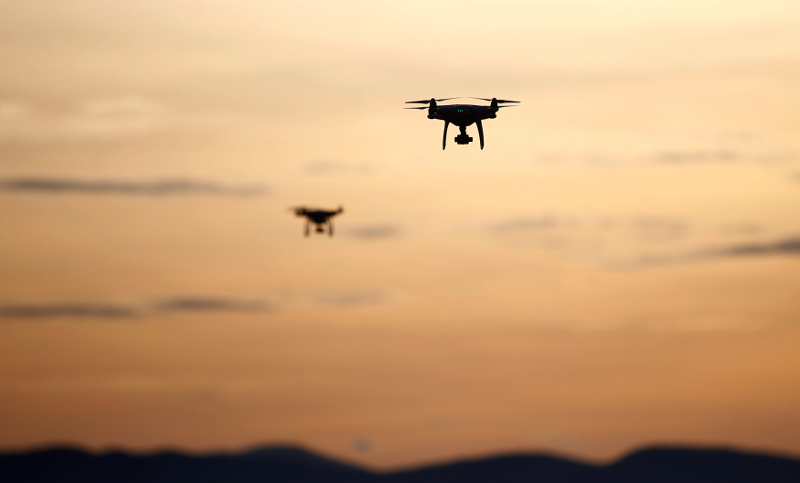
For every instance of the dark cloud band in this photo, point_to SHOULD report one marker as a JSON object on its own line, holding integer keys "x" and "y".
{"x": 788, "y": 246}
{"x": 114, "y": 312}
{"x": 67, "y": 311}
{"x": 212, "y": 305}
{"x": 142, "y": 188}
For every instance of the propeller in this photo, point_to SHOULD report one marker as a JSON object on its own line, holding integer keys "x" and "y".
{"x": 512, "y": 105}
{"x": 428, "y": 101}
{"x": 499, "y": 101}
{"x": 423, "y": 107}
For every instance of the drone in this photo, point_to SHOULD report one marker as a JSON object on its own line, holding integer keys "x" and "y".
{"x": 318, "y": 217}
{"x": 462, "y": 115}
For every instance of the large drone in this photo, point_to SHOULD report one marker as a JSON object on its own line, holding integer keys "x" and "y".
{"x": 462, "y": 115}
{"x": 319, "y": 218}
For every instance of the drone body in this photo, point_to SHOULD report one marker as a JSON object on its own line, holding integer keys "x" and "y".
{"x": 462, "y": 115}
{"x": 320, "y": 218}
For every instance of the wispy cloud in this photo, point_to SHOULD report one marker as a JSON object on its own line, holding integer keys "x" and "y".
{"x": 650, "y": 228}
{"x": 331, "y": 168}
{"x": 352, "y": 298}
{"x": 697, "y": 157}
{"x": 117, "y": 187}
{"x": 11, "y": 110}
{"x": 658, "y": 229}
{"x": 373, "y": 232}
{"x": 82, "y": 310}
{"x": 533, "y": 224}
{"x": 548, "y": 232}
{"x": 722, "y": 152}
{"x": 724, "y": 156}
{"x": 785, "y": 247}
{"x": 93, "y": 119}
{"x": 69, "y": 310}
{"x": 364, "y": 445}
{"x": 739, "y": 229}
{"x": 190, "y": 304}
{"x": 641, "y": 240}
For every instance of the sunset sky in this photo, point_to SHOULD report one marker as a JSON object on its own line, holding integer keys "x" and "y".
{"x": 619, "y": 267}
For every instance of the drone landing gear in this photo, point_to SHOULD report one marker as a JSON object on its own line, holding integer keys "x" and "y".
{"x": 463, "y": 138}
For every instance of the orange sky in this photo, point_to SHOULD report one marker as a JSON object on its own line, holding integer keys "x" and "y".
{"x": 618, "y": 267}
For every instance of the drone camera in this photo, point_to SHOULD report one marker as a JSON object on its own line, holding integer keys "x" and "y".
{"x": 463, "y": 139}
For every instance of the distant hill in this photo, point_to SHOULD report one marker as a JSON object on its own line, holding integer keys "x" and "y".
{"x": 292, "y": 465}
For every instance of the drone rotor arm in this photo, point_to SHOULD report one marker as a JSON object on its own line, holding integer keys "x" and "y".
{"x": 499, "y": 101}
{"x": 428, "y": 101}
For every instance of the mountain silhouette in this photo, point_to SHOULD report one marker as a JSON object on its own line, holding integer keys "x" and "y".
{"x": 293, "y": 465}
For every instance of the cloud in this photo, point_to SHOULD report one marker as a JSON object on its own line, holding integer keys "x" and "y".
{"x": 775, "y": 158}
{"x": 372, "y": 232}
{"x": 739, "y": 229}
{"x": 696, "y": 157}
{"x": 330, "y": 168}
{"x": 10, "y": 110}
{"x": 352, "y": 298}
{"x": 660, "y": 229}
{"x": 93, "y": 119}
{"x": 120, "y": 106}
{"x": 189, "y": 304}
{"x": 787, "y": 246}
{"x": 651, "y": 229}
{"x": 79, "y": 310}
{"x": 363, "y": 445}
{"x": 70, "y": 310}
{"x": 637, "y": 240}
{"x": 547, "y": 232}
{"x": 723, "y": 156}
{"x": 542, "y": 223}
{"x": 148, "y": 188}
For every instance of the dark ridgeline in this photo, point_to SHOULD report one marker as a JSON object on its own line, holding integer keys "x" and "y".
{"x": 290, "y": 465}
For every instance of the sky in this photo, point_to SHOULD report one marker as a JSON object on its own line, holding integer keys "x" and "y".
{"x": 619, "y": 267}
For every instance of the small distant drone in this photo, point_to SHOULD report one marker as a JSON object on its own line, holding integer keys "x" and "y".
{"x": 462, "y": 115}
{"x": 319, "y": 218}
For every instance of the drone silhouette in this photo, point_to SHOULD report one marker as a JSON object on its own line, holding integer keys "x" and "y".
{"x": 319, "y": 218}
{"x": 462, "y": 115}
